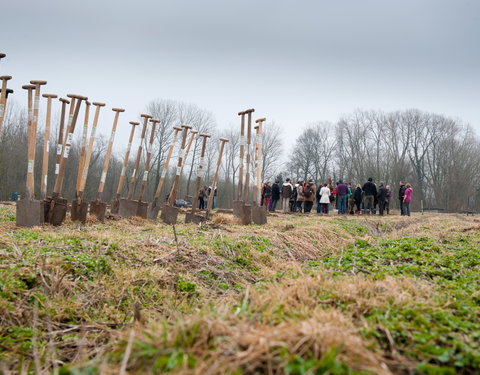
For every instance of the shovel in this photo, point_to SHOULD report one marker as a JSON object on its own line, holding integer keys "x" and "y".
{"x": 3, "y": 98}
{"x": 46, "y": 145}
{"x": 169, "y": 212}
{"x": 79, "y": 206}
{"x": 143, "y": 206}
{"x": 57, "y": 206}
{"x": 154, "y": 207}
{"x": 128, "y": 207}
{"x": 30, "y": 212}
{"x": 97, "y": 207}
{"x": 79, "y": 209}
{"x": 121, "y": 181}
{"x": 215, "y": 177}
{"x": 192, "y": 217}
{"x": 238, "y": 203}
{"x": 259, "y": 213}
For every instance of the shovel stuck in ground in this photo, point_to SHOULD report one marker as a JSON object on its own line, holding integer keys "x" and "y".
{"x": 57, "y": 206}
{"x": 192, "y": 217}
{"x": 30, "y": 212}
{"x": 128, "y": 207}
{"x": 258, "y": 212}
{"x": 97, "y": 207}
{"x": 154, "y": 207}
{"x": 169, "y": 212}
{"x": 215, "y": 177}
{"x": 116, "y": 202}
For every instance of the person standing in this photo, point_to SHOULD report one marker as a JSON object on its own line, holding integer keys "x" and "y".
{"x": 287, "y": 190}
{"x": 370, "y": 191}
{"x": 309, "y": 194}
{"x": 267, "y": 194}
{"x": 342, "y": 192}
{"x": 300, "y": 196}
{"x": 293, "y": 198}
{"x": 357, "y": 196}
{"x": 202, "y": 197}
{"x": 325, "y": 199}
{"x": 401, "y": 196}
{"x": 275, "y": 195}
{"x": 407, "y": 198}
{"x": 382, "y": 197}
{"x": 387, "y": 200}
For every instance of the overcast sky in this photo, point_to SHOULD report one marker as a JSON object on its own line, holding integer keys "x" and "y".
{"x": 295, "y": 62}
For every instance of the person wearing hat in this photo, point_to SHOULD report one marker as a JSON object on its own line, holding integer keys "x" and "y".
{"x": 370, "y": 191}
{"x": 382, "y": 197}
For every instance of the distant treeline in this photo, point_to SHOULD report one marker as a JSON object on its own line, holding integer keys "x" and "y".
{"x": 439, "y": 156}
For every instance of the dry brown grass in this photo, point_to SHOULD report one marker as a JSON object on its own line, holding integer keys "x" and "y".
{"x": 266, "y": 311}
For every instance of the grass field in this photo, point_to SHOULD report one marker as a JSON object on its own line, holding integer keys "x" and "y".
{"x": 301, "y": 295}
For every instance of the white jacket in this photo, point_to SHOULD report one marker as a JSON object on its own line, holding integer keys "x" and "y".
{"x": 325, "y": 195}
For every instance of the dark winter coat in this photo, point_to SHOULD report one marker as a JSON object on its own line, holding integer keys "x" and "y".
{"x": 358, "y": 195}
{"x": 275, "y": 192}
{"x": 382, "y": 194}
{"x": 370, "y": 189}
{"x": 401, "y": 192}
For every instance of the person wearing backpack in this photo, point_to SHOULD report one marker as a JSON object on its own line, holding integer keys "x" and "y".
{"x": 309, "y": 194}
{"x": 287, "y": 190}
{"x": 300, "y": 196}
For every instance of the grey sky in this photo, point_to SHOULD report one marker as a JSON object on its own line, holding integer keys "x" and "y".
{"x": 295, "y": 62}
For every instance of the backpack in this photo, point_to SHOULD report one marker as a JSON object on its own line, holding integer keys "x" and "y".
{"x": 307, "y": 192}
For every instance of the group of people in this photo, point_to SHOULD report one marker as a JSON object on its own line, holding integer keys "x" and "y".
{"x": 345, "y": 197}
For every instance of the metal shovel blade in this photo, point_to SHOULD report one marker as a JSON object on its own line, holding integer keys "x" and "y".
{"x": 194, "y": 218}
{"x": 79, "y": 211}
{"x": 246, "y": 214}
{"x": 30, "y": 213}
{"x": 98, "y": 209}
{"x": 127, "y": 208}
{"x": 115, "y": 206}
{"x": 259, "y": 215}
{"x": 152, "y": 211}
{"x": 238, "y": 207}
{"x": 142, "y": 210}
{"x": 169, "y": 214}
{"x": 57, "y": 211}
